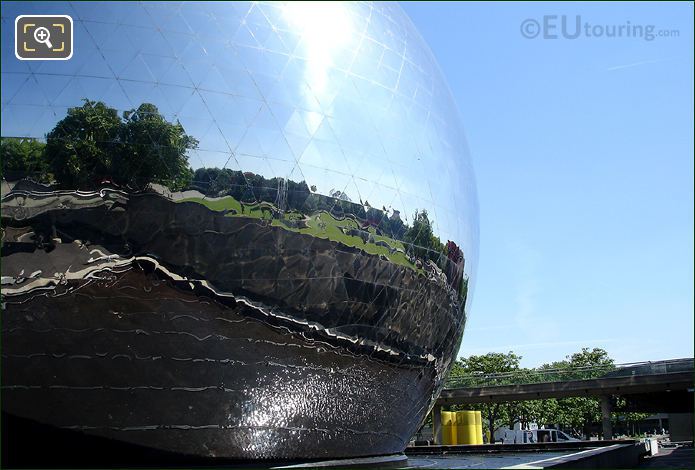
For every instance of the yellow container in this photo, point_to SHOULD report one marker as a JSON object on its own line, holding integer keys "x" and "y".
{"x": 448, "y": 428}
{"x": 479, "y": 427}
{"x": 465, "y": 427}
{"x": 461, "y": 428}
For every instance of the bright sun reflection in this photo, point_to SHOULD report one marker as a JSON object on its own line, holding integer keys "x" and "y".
{"x": 325, "y": 28}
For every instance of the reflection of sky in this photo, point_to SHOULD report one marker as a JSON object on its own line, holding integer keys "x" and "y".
{"x": 344, "y": 96}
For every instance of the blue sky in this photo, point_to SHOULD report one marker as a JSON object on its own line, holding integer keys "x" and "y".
{"x": 583, "y": 151}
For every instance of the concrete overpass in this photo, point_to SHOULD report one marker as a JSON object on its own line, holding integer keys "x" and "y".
{"x": 651, "y": 386}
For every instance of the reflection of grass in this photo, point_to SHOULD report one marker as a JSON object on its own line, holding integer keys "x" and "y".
{"x": 321, "y": 225}
{"x": 256, "y": 211}
{"x": 225, "y": 203}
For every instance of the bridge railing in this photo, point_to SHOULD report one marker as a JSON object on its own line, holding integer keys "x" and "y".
{"x": 530, "y": 376}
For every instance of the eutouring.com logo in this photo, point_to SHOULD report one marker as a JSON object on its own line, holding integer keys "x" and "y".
{"x": 573, "y": 27}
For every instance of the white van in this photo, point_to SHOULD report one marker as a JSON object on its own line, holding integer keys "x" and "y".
{"x": 532, "y": 436}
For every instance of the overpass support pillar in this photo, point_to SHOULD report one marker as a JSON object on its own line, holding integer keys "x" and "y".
{"x": 606, "y": 417}
{"x": 437, "y": 425}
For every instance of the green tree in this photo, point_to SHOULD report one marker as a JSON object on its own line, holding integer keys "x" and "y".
{"x": 154, "y": 150}
{"x": 628, "y": 417}
{"x": 82, "y": 146}
{"x": 24, "y": 157}
{"x": 490, "y": 364}
{"x": 596, "y": 358}
{"x": 580, "y": 412}
{"x": 535, "y": 411}
{"x": 93, "y": 144}
{"x": 422, "y": 243}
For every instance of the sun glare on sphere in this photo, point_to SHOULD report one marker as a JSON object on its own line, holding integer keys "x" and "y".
{"x": 326, "y": 28}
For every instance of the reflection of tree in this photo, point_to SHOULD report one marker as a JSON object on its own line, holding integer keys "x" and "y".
{"x": 83, "y": 147}
{"x": 337, "y": 194}
{"x": 21, "y": 157}
{"x": 250, "y": 188}
{"x": 93, "y": 145}
{"x": 422, "y": 241}
{"x": 155, "y": 150}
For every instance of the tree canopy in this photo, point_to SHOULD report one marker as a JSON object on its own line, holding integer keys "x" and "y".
{"x": 154, "y": 149}
{"x": 93, "y": 144}
{"x": 22, "y": 157}
{"x": 423, "y": 243}
{"x": 495, "y": 414}
{"x": 577, "y": 413}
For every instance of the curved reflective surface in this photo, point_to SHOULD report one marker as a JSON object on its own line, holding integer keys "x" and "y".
{"x": 238, "y": 230}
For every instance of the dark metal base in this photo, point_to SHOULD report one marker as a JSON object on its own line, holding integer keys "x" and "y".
{"x": 224, "y": 352}
{"x": 380, "y": 461}
{"x": 500, "y": 448}
{"x": 28, "y": 444}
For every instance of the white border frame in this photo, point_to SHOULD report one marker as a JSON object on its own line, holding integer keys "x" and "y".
{"x": 72, "y": 37}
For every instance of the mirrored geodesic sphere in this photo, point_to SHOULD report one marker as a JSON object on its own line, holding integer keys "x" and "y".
{"x": 240, "y": 230}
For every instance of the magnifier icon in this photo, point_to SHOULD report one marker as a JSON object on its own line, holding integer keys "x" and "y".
{"x": 43, "y": 35}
